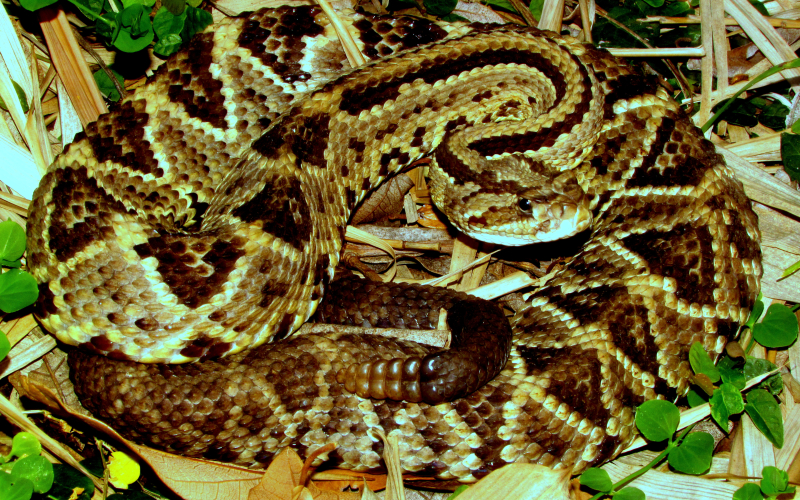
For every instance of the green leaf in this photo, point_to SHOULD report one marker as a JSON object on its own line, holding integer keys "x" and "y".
{"x": 790, "y": 153}
{"x": 196, "y": 21}
{"x": 796, "y": 266}
{"x": 91, "y": 8}
{"x": 12, "y": 240}
{"x": 726, "y": 401}
{"x": 36, "y": 4}
{"x": 630, "y": 493}
{"x": 755, "y": 314}
{"x": 166, "y": 23}
{"x": 774, "y": 481}
{"x": 5, "y": 347}
{"x": 755, "y": 367}
{"x": 774, "y": 115}
{"x": 731, "y": 373}
{"x": 741, "y": 112}
{"x": 68, "y": 482}
{"x": 778, "y": 328}
{"x": 461, "y": 489}
{"x": 657, "y": 420}
{"x": 695, "y": 398}
{"x": 21, "y": 97}
{"x": 19, "y": 489}
{"x": 655, "y": 3}
{"x": 136, "y": 30}
{"x": 440, "y": 8}
{"x": 106, "y": 86}
{"x": 36, "y": 469}
{"x": 107, "y": 26}
{"x": 596, "y": 479}
{"x": 693, "y": 455}
{"x": 25, "y": 444}
{"x": 18, "y": 290}
{"x": 168, "y": 45}
{"x": 536, "y": 8}
{"x": 749, "y": 491}
{"x": 701, "y": 363}
{"x": 766, "y": 415}
{"x": 175, "y": 7}
{"x": 760, "y": 7}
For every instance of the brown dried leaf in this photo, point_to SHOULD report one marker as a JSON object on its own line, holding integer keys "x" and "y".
{"x": 427, "y": 218}
{"x": 282, "y": 482}
{"x": 477, "y": 13}
{"x": 384, "y": 202}
{"x": 521, "y": 481}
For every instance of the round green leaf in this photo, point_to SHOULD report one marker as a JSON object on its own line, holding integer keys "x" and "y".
{"x": 168, "y": 45}
{"x": 12, "y": 240}
{"x": 166, "y": 23}
{"x": 19, "y": 489}
{"x": 755, "y": 314}
{"x": 37, "y": 470}
{"x": 695, "y": 398}
{"x": 774, "y": 481}
{"x": 749, "y": 491}
{"x": 176, "y": 7}
{"x": 657, "y": 420}
{"x": 18, "y": 290}
{"x": 702, "y": 363}
{"x": 630, "y": 493}
{"x": 766, "y": 415}
{"x": 136, "y": 30}
{"x": 106, "y": 86}
{"x": 777, "y": 329}
{"x": 726, "y": 401}
{"x": 596, "y": 479}
{"x": 693, "y": 456}
{"x": 5, "y": 346}
{"x": 25, "y": 444}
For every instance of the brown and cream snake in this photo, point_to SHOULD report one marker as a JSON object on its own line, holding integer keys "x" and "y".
{"x": 204, "y": 216}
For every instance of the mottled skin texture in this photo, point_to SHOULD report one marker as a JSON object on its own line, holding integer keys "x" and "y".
{"x": 205, "y": 215}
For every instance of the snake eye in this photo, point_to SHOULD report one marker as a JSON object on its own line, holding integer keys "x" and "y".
{"x": 525, "y": 205}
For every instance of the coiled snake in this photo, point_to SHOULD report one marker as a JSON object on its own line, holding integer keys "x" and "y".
{"x": 205, "y": 215}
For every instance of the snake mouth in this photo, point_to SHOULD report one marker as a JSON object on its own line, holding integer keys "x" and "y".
{"x": 548, "y": 223}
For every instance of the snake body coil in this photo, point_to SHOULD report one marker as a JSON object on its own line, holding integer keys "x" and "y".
{"x": 205, "y": 216}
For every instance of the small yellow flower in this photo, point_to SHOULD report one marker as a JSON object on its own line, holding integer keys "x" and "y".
{"x": 122, "y": 470}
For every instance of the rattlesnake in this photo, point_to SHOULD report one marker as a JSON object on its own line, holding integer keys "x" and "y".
{"x": 205, "y": 215}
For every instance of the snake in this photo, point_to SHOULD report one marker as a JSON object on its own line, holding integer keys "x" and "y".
{"x": 183, "y": 237}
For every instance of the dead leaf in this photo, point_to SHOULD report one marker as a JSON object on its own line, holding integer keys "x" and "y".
{"x": 477, "y": 13}
{"x": 384, "y": 202}
{"x": 282, "y": 482}
{"x": 521, "y": 482}
{"x": 428, "y": 218}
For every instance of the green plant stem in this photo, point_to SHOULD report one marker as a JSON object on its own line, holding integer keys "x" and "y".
{"x": 661, "y": 456}
{"x": 95, "y": 16}
{"x": 750, "y": 344}
{"x": 775, "y": 69}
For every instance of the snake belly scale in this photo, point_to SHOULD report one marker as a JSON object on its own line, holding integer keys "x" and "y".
{"x": 204, "y": 216}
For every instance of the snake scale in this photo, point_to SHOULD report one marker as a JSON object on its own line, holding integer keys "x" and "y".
{"x": 204, "y": 215}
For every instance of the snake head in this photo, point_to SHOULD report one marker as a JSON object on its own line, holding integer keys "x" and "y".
{"x": 513, "y": 201}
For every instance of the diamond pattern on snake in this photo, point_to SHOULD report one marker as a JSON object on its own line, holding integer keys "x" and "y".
{"x": 185, "y": 235}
